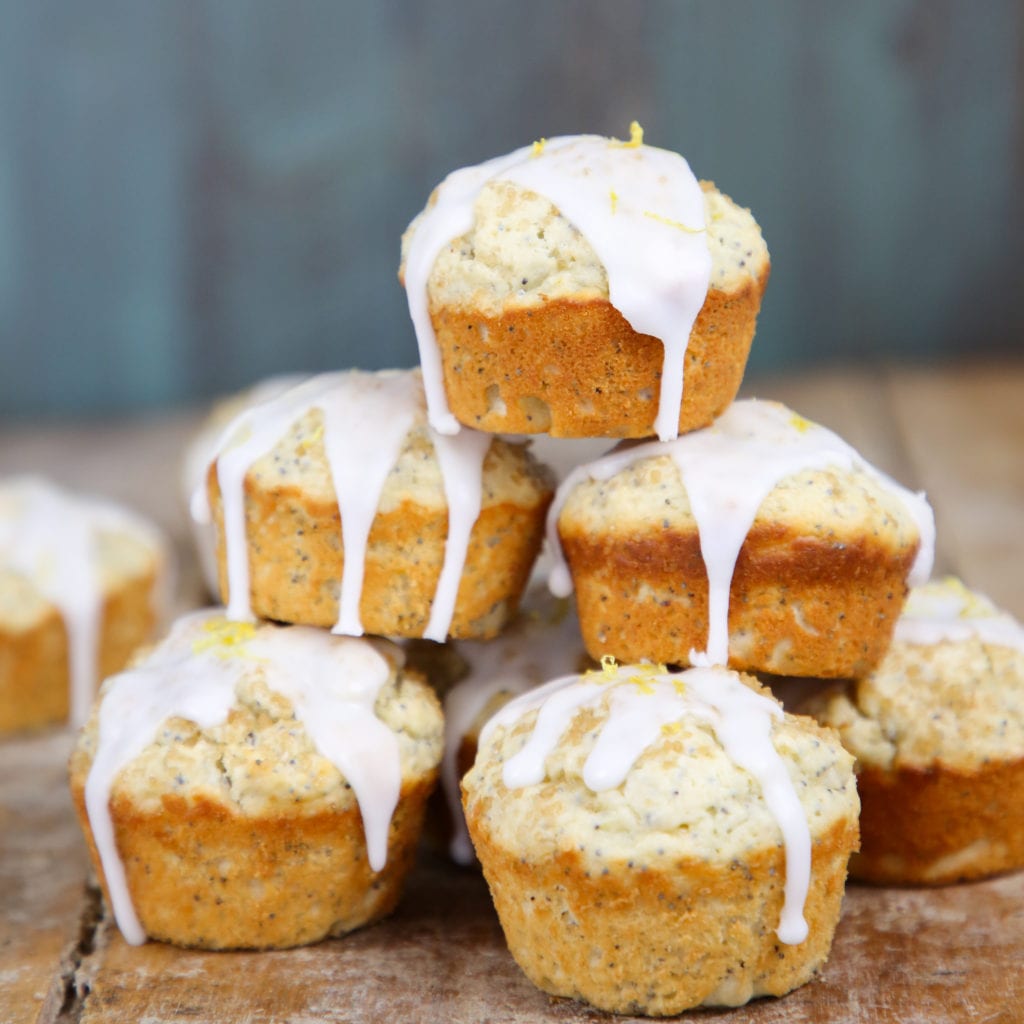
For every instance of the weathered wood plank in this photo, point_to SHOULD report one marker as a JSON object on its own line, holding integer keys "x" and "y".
{"x": 43, "y": 867}
{"x": 944, "y": 955}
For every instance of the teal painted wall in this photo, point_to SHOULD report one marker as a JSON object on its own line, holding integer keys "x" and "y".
{"x": 195, "y": 195}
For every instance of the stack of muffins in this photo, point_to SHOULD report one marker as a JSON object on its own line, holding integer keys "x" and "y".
{"x": 657, "y": 839}
{"x": 255, "y": 784}
{"x": 657, "y": 832}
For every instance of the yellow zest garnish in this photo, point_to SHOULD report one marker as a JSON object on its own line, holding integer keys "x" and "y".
{"x": 229, "y": 637}
{"x": 799, "y": 423}
{"x": 636, "y": 137}
{"x": 649, "y": 668}
{"x": 307, "y": 442}
{"x": 538, "y": 147}
{"x": 972, "y": 606}
{"x": 680, "y": 687}
{"x": 609, "y": 666}
{"x": 614, "y": 198}
{"x": 673, "y": 223}
{"x": 643, "y": 683}
{"x": 672, "y": 728}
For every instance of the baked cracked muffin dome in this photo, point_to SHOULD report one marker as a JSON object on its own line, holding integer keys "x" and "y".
{"x": 764, "y": 541}
{"x": 337, "y": 505}
{"x": 656, "y": 841}
{"x": 82, "y": 584}
{"x": 255, "y": 786}
{"x": 937, "y": 731}
{"x": 582, "y": 286}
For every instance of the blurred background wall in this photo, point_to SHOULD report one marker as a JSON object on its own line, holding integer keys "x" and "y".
{"x": 194, "y": 195}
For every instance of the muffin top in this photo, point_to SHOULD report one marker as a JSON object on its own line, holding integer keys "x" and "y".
{"x": 949, "y": 693}
{"x": 758, "y": 463}
{"x": 579, "y": 217}
{"x": 521, "y": 251}
{"x": 66, "y": 552}
{"x": 361, "y": 440}
{"x": 636, "y": 764}
{"x": 265, "y": 720}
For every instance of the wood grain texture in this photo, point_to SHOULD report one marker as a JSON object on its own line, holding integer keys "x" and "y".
{"x": 946, "y": 955}
{"x": 952, "y": 954}
{"x": 43, "y": 868}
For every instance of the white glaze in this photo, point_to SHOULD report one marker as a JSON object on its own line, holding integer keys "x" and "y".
{"x": 202, "y": 450}
{"x": 650, "y": 238}
{"x": 949, "y": 612}
{"x": 50, "y": 537}
{"x": 728, "y": 469}
{"x": 543, "y": 642}
{"x": 642, "y": 701}
{"x": 366, "y": 417}
{"x": 331, "y": 682}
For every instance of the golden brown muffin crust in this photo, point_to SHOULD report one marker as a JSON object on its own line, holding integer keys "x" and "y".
{"x": 34, "y": 676}
{"x": 577, "y": 369}
{"x": 798, "y": 605}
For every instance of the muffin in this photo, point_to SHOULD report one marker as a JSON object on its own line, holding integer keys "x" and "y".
{"x": 582, "y": 287}
{"x": 658, "y": 841}
{"x": 337, "y": 505}
{"x": 201, "y": 450}
{"x": 937, "y": 731}
{"x": 541, "y": 643}
{"x": 255, "y": 786}
{"x": 81, "y": 586}
{"x": 764, "y": 541}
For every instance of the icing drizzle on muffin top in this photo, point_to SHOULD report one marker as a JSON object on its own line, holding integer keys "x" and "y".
{"x": 728, "y": 469}
{"x": 946, "y": 611}
{"x": 51, "y": 538}
{"x": 642, "y": 211}
{"x": 331, "y": 682}
{"x": 643, "y": 704}
{"x": 366, "y": 417}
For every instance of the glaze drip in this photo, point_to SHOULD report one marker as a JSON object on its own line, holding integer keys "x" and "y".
{"x": 650, "y": 239}
{"x": 51, "y": 537}
{"x": 543, "y": 642}
{"x": 641, "y": 703}
{"x": 366, "y": 418}
{"x": 331, "y": 682}
{"x": 203, "y": 449}
{"x": 728, "y": 469}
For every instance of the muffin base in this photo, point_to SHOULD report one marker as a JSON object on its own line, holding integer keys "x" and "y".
{"x": 296, "y": 561}
{"x": 938, "y": 825}
{"x": 203, "y": 876}
{"x": 577, "y": 369}
{"x": 34, "y": 672}
{"x": 798, "y": 606}
{"x": 666, "y": 938}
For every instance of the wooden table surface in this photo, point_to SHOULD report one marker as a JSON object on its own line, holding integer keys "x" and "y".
{"x": 951, "y": 954}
